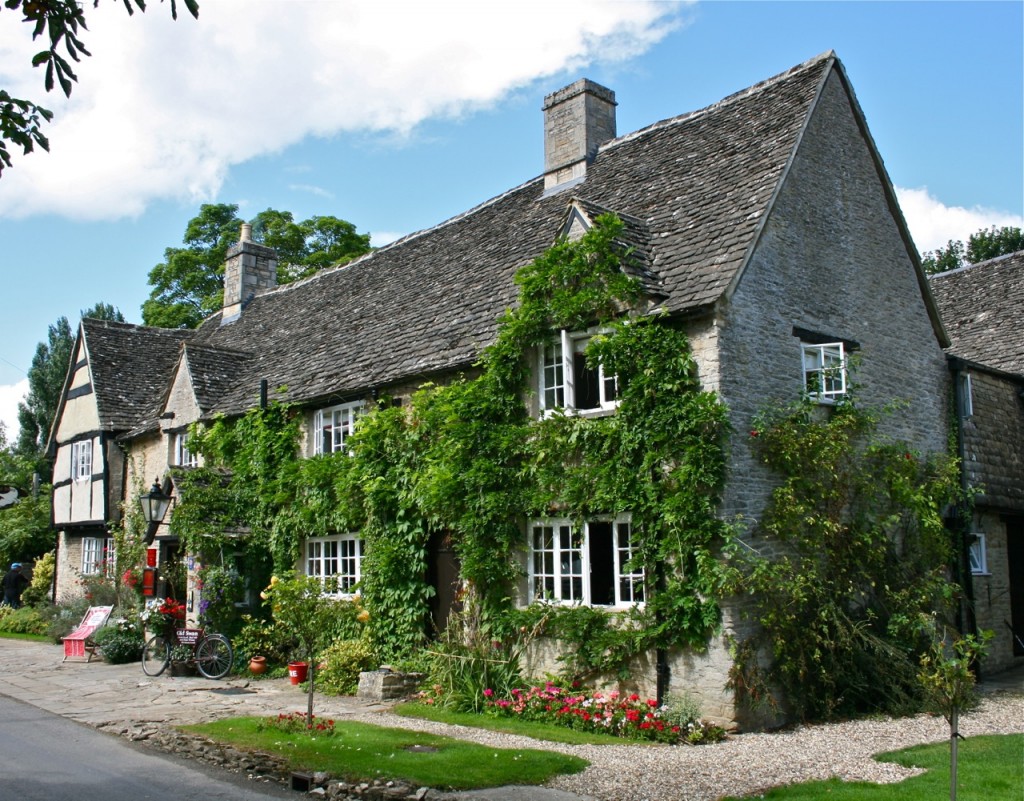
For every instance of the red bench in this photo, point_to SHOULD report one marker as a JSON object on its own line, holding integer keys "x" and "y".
{"x": 79, "y": 643}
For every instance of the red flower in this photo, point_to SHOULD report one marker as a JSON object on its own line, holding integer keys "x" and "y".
{"x": 755, "y": 433}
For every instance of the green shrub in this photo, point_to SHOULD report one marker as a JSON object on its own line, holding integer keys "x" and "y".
{"x": 38, "y": 593}
{"x": 26, "y": 620}
{"x": 121, "y": 642}
{"x": 261, "y": 638}
{"x": 342, "y": 663}
{"x": 64, "y": 617}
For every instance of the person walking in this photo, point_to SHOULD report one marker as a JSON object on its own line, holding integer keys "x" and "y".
{"x": 14, "y": 584}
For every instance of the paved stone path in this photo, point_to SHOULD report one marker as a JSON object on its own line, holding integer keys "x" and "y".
{"x": 100, "y": 694}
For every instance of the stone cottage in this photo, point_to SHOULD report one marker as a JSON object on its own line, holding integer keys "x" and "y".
{"x": 766, "y": 226}
{"x": 982, "y": 306}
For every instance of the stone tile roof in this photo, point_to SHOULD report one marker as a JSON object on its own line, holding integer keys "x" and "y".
{"x": 130, "y": 367}
{"x": 214, "y": 371}
{"x": 695, "y": 188}
{"x": 982, "y": 308}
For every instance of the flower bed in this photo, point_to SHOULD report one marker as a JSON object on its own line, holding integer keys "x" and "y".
{"x": 626, "y": 716}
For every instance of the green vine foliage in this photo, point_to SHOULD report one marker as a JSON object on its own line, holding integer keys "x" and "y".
{"x": 854, "y": 567}
{"x": 465, "y": 459}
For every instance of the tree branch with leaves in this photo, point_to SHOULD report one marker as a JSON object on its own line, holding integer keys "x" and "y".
{"x": 60, "y": 23}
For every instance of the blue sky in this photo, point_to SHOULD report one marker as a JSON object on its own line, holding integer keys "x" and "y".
{"x": 398, "y": 115}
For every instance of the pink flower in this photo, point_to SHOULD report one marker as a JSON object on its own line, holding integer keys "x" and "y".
{"x": 488, "y": 692}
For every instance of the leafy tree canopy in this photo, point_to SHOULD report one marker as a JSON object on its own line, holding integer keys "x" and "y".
{"x": 61, "y": 22}
{"x": 46, "y": 381}
{"x": 985, "y": 244}
{"x": 189, "y": 284}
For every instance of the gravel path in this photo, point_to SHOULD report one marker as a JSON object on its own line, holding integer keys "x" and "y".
{"x": 745, "y": 763}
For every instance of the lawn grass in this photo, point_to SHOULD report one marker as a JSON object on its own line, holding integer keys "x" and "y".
{"x": 363, "y": 752}
{"x": 991, "y": 768}
{"x": 536, "y": 730}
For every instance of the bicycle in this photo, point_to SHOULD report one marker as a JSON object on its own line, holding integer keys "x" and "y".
{"x": 211, "y": 653}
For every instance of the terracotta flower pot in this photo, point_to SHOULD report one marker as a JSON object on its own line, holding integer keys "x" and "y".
{"x": 258, "y": 664}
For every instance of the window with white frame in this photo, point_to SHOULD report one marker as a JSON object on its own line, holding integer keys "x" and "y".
{"x": 568, "y": 382}
{"x": 98, "y": 556}
{"x": 183, "y": 457}
{"x": 825, "y": 370}
{"x": 591, "y": 565}
{"x": 81, "y": 460}
{"x": 978, "y": 554}
{"x": 336, "y": 561}
{"x": 332, "y": 427}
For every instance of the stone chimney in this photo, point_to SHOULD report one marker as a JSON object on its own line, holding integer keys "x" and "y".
{"x": 249, "y": 270}
{"x": 577, "y": 120}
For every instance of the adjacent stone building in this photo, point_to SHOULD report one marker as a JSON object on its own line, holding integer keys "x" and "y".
{"x": 765, "y": 225}
{"x": 983, "y": 308}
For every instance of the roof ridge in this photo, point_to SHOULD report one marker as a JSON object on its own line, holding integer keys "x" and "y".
{"x": 985, "y": 263}
{"x": 728, "y": 100}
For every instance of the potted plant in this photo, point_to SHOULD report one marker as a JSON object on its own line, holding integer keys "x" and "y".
{"x": 181, "y": 664}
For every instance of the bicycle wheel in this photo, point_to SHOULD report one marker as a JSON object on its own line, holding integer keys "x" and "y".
{"x": 214, "y": 656}
{"x": 155, "y": 656}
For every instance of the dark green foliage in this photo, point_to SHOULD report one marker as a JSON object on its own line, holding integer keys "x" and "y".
{"x": 981, "y": 246}
{"x": 845, "y": 585}
{"x": 987, "y": 244}
{"x": 120, "y": 642}
{"x": 189, "y": 284}
{"x": 46, "y": 382}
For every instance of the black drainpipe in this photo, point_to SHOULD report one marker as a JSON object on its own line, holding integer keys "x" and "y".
{"x": 966, "y": 620}
{"x": 662, "y": 671}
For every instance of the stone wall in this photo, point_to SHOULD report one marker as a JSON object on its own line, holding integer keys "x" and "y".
{"x": 994, "y": 441}
{"x": 992, "y": 593}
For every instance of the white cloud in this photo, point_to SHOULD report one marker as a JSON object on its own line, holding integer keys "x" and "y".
{"x": 10, "y": 396}
{"x": 933, "y": 224}
{"x": 164, "y": 108}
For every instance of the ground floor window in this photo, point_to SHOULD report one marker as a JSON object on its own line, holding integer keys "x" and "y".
{"x": 588, "y": 564}
{"x": 336, "y": 561}
{"x": 98, "y": 556}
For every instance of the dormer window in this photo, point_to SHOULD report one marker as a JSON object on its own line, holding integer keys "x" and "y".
{"x": 824, "y": 371}
{"x": 183, "y": 457}
{"x": 568, "y": 383}
{"x": 81, "y": 460}
{"x": 332, "y": 427}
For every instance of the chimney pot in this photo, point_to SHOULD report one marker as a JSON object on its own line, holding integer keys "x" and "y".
{"x": 246, "y": 233}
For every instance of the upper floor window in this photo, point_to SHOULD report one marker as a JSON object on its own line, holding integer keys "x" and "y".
{"x": 332, "y": 427}
{"x": 567, "y": 382}
{"x": 825, "y": 370}
{"x": 336, "y": 561}
{"x": 183, "y": 457}
{"x": 589, "y": 565}
{"x": 81, "y": 460}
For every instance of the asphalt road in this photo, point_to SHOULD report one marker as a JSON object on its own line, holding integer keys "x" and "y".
{"x": 44, "y": 757}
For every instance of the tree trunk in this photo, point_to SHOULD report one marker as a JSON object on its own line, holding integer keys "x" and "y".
{"x": 954, "y": 735}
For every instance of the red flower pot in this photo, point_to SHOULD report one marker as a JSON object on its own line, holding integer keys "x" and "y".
{"x": 297, "y": 672}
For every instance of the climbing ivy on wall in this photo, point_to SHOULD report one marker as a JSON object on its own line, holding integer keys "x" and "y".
{"x": 465, "y": 458}
{"x": 848, "y": 584}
